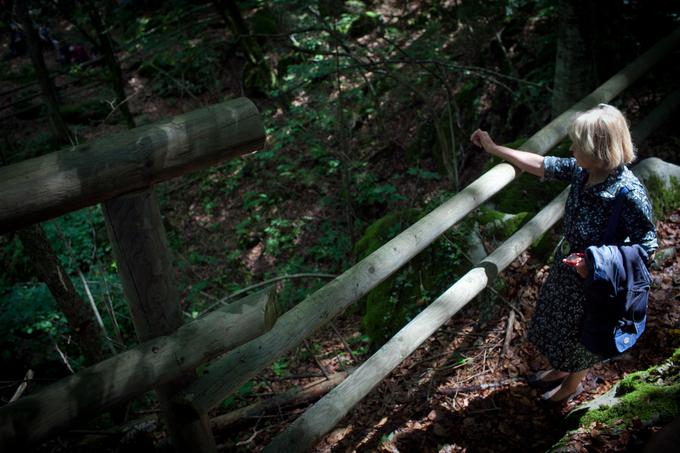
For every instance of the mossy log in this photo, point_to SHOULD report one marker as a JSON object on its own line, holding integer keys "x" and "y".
{"x": 650, "y": 397}
{"x": 163, "y": 359}
{"x": 51, "y": 185}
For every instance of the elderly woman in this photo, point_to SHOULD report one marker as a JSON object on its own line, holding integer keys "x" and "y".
{"x": 601, "y": 146}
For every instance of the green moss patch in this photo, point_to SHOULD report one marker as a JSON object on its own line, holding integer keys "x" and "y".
{"x": 649, "y": 397}
{"x": 664, "y": 198}
{"x": 397, "y": 300}
{"x": 92, "y": 110}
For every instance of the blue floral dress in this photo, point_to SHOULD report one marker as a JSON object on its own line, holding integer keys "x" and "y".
{"x": 555, "y": 327}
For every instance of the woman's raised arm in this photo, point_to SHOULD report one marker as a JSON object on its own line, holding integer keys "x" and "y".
{"x": 525, "y": 161}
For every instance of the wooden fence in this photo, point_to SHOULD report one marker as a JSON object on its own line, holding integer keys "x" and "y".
{"x": 119, "y": 172}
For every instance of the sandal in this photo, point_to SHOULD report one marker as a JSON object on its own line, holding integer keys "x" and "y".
{"x": 546, "y": 397}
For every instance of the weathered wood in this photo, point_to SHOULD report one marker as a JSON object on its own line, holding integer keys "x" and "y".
{"x": 48, "y": 186}
{"x": 240, "y": 365}
{"x": 135, "y": 371}
{"x": 139, "y": 244}
{"x": 294, "y": 396}
{"x": 327, "y": 412}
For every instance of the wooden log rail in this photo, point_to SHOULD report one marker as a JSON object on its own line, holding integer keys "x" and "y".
{"x": 318, "y": 420}
{"x": 120, "y": 171}
{"x": 135, "y": 371}
{"x": 51, "y": 185}
{"x": 44, "y": 187}
{"x": 226, "y": 375}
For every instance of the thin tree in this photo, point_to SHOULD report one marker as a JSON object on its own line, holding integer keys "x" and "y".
{"x": 60, "y": 130}
{"x": 106, "y": 45}
{"x": 231, "y": 14}
{"x": 79, "y": 315}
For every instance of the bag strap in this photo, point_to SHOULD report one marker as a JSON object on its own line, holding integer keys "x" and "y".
{"x": 614, "y": 216}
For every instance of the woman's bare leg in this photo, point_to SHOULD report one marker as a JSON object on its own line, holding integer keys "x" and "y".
{"x": 553, "y": 375}
{"x": 569, "y": 385}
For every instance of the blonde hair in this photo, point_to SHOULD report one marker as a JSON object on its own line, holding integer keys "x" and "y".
{"x": 602, "y": 133}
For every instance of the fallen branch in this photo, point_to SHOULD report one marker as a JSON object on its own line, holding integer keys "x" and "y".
{"x": 23, "y": 386}
{"x": 224, "y": 300}
{"x": 474, "y": 388}
{"x": 292, "y": 397}
{"x": 508, "y": 333}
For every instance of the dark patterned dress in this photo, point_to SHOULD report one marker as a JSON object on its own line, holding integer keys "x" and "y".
{"x": 555, "y": 327}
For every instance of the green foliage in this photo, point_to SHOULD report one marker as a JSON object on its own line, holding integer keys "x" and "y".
{"x": 23, "y": 74}
{"x": 498, "y": 226}
{"x": 665, "y": 198}
{"x": 369, "y": 191}
{"x": 281, "y": 235}
{"x": 649, "y": 396}
{"x": 86, "y": 112}
{"x": 331, "y": 246}
{"x": 30, "y": 322}
{"x": 29, "y": 317}
{"x": 280, "y": 367}
{"x": 402, "y": 296}
{"x": 191, "y": 69}
{"x": 79, "y": 239}
{"x": 240, "y": 394}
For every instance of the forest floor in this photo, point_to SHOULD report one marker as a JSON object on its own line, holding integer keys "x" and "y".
{"x": 461, "y": 391}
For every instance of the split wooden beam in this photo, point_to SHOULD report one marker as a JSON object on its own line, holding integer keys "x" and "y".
{"x": 295, "y": 396}
{"x": 35, "y": 417}
{"x": 237, "y": 367}
{"x": 44, "y": 187}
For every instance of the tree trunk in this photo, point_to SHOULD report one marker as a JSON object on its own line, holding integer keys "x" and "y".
{"x": 107, "y": 48}
{"x": 60, "y": 130}
{"x": 139, "y": 244}
{"x": 78, "y": 314}
{"x": 258, "y": 75}
{"x": 586, "y": 52}
{"x": 238, "y": 26}
{"x": 574, "y": 75}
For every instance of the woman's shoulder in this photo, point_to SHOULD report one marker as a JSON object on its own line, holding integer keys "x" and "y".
{"x": 631, "y": 182}
{"x": 636, "y": 192}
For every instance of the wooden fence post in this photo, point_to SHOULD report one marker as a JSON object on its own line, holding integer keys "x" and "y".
{"x": 140, "y": 247}
{"x": 32, "y": 418}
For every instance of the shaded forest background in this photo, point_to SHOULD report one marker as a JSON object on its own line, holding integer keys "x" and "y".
{"x": 368, "y": 107}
